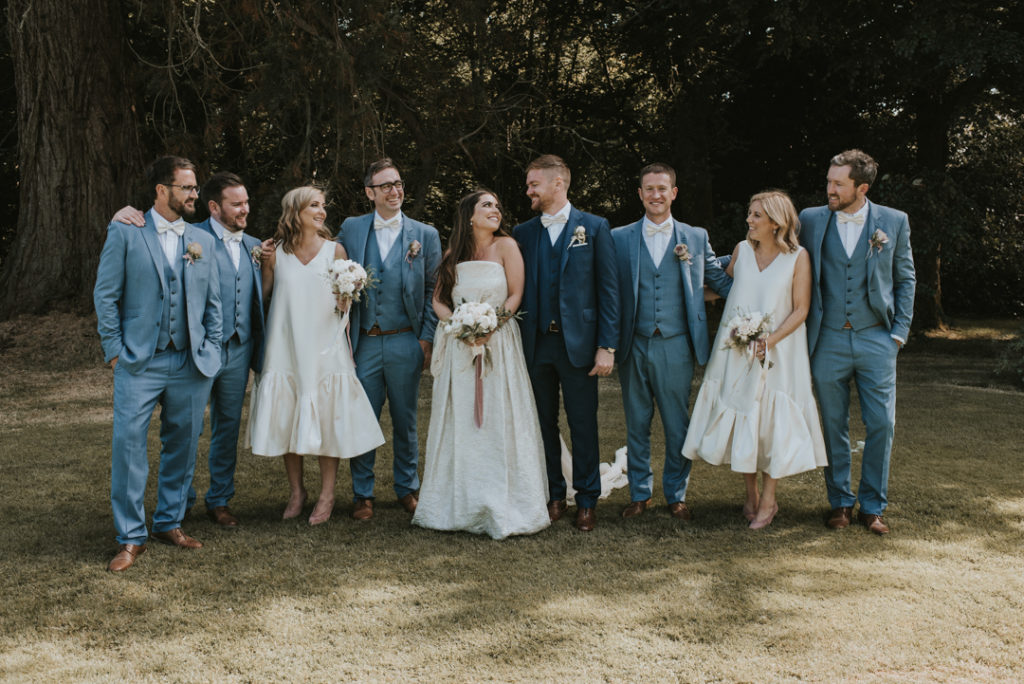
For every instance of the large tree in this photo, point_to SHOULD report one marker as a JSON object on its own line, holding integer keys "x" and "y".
{"x": 77, "y": 148}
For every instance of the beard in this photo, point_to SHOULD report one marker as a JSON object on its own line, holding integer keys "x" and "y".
{"x": 184, "y": 209}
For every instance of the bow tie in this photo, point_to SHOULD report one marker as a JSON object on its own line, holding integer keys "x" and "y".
{"x": 176, "y": 227}
{"x": 232, "y": 237}
{"x": 653, "y": 229}
{"x": 842, "y": 218}
{"x": 393, "y": 222}
{"x": 557, "y": 219}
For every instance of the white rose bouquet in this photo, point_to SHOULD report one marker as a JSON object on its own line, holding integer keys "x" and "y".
{"x": 349, "y": 281}
{"x": 470, "y": 322}
{"x": 745, "y": 329}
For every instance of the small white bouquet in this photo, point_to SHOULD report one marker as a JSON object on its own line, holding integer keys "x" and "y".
{"x": 349, "y": 280}
{"x": 472, "y": 321}
{"x": 745, "y": 329}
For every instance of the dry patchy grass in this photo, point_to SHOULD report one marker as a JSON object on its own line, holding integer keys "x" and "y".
{"x": 940, "y": 599}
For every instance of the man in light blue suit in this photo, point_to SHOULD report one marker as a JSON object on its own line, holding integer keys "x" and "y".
{"x": 570, "y": 327}
{"x": 241, "y": 291}
{"x": 392, "y": 326}
{"x": 662, "y": 266}
{"x": 862, "y": 302}
{"x": 157, "y": 299}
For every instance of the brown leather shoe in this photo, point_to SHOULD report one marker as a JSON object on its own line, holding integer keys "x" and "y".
{"x": 410, "y": 501}
{"x": 363, "y": 510}
{"x": 679, "y": 510}
{"x": 873, "y": 523}
{"x": 635, "y": 508}
{"x": 126, "y": 555}
{"x": 556, "y": 509}
{"x": 840, "y": 517}
{"x": 178, "y": 538}
{"x": 223, "y": 517}
{"x": 585, "y": 519}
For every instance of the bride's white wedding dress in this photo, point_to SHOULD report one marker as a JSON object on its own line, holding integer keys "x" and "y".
{"x": 492, "y": 479}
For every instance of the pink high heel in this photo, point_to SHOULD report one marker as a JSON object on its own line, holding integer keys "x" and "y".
{"x": 756, "y": 524}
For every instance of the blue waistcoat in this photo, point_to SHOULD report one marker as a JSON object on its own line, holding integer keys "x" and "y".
{"x": 660, "y": 296}
{"x": 383, "y": 304}
{"x": 549, "y": 273}
{"x": 173, "y": 318}
{"x": 236, "y": 295}
{"x": 844, "y": 282}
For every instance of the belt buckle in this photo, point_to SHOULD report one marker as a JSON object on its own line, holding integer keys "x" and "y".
{"x": 374, "y": 331}
{"x": 553, "y": 328}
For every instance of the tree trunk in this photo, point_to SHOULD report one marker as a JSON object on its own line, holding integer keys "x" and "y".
{"x": 77, "y": 149}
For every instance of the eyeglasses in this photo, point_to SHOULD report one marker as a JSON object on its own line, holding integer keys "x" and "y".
{"x": 389, "y": 186}
{"x": 188, "y": 189}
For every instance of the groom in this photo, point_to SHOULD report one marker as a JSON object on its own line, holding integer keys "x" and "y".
{"x": 157, "y": 299}
{"x": 861, "y": 307}
{"x": 662, "y": 266}
{"x": 393, "y": 325}
{"x": 570, "y": 327}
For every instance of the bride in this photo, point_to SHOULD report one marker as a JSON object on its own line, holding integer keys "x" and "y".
{"x": 488, "y": 479}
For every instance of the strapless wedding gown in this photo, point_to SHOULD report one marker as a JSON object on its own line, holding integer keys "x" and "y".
{"x": 492, "y": 479}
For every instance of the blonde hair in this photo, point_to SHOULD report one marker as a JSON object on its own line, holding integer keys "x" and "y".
{"x": 289, "y": 226}
{"x": 780, "y": 210}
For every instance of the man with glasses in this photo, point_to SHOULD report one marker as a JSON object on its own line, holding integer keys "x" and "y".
{"x": 393, "y": 325}
{"x": 157, "y": 300}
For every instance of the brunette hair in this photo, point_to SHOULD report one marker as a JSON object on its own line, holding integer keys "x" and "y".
{"x": 460, "y": 244}
{"x": 161, "y": 171}
{"x": 213, "y": 189}
{"x": 863, "y": 169}
{"x": 658, "y": 167}
{"x": 376, "y": 167}
{"x": 780, "y": 210}
{"x": 289, "y": 226}
{"x": 550, "y": 162}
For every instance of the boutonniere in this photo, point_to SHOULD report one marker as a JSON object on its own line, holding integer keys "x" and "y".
{"x": 257, "y": 255}
{"x": 193, "y": 253}
{"x": 413, "y": 251}
{"x": 682, "y": 253}
{"x": 877, "y": 240}
{"x": 579, "y": 237}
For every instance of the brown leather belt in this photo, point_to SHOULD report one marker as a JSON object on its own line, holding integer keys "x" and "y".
{"x": 553, "y": 328}
{"x": 850, "y": 327}
{"x": 376, "y": 331}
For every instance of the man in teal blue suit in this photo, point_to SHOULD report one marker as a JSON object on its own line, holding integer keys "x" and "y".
{"x": 662, "y": 266}
{"x": 862, "y": 302}
{"x": 570, "y": 327}
{"x": 392, "y": 326}
{"x": 157, "y": 300}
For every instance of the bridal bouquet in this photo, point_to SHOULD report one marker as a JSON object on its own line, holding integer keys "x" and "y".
{"x": 349, "y": 280}
{"x": 472, "y": 321}
{"x": 745, "y": 329}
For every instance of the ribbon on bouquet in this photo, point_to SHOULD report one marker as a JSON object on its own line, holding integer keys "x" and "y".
{"x": 479, "y": 354}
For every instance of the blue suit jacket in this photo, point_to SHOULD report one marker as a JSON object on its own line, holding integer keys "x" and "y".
{"x": 227, "y": 288}
{"x": 588, "y": 296}
{"x": 418, "y": 277}
{"x": 130, "y": 286}
{"x": 703, "y": 265}
{"x": 891, "y": 279}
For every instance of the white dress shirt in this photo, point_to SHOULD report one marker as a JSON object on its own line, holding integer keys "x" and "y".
{"x": 556, "y": 222}
{"x": 386, "y": 236}
{"x": 658, "y": 243}
{"x": 232, "y": 240}
{"x": 849, "y": 232}
{"x": 169, "y": 240}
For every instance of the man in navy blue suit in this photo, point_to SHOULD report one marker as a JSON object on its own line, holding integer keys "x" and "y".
{"x": 570, "y": 327}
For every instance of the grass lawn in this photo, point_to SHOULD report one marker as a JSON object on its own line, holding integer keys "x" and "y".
{"x": 939, "y": 599}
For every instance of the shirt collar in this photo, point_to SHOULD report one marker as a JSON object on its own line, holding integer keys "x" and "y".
{"x": 563, "y": 213}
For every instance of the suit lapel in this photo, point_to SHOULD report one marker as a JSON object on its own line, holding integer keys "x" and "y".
{"x": 869, "y": 230}
{"x": 636, "y": 243}
{"x": 566, "y": 237}
{"x": 363, "y": 231}
{"x": 684, "y": 266}
{"x": 156, "y": 250}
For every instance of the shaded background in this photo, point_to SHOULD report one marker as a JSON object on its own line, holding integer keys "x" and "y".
{"x": 737, "y": 95}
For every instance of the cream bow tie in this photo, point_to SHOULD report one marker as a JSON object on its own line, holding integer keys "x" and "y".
{"x": 842, "y": 218}
{"x": 393, "y": 222}
{"x": 232, "y": 237}
{"x": 176, "y": 227}
{"x": 548, "y": 221}
{"x": 653, "y": 229}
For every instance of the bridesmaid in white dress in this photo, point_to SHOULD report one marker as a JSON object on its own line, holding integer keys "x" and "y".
{"x": 307, "y": 400}
{"x": 762, "y": 419}
{"x": 492, "y": 479}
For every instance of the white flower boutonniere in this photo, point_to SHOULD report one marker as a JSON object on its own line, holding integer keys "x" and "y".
{"x": 682, "y": 253}
{"x": 877, "y": 240}
{"x": 193, "y": 253}
{"x": 579, "y": 237}
{"x": 257, "y": 254}
{"x": 413, "y": 252}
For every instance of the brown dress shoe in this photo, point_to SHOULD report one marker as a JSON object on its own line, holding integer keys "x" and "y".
{"x": 126, "y": 555}
{"x": 679, "y": 510}
{"x": 872, "y": 522}
{"x": 585, "y": 519}
{"x": 840, "y": 517}
{"x": 556, "y": 509}
{"x": 177, "y": 538}
{"x": 223, "y": 517}
{"x": 363, "y": 509}
{"x": 410, "y": 501}
{"x": 635, "y": 508}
